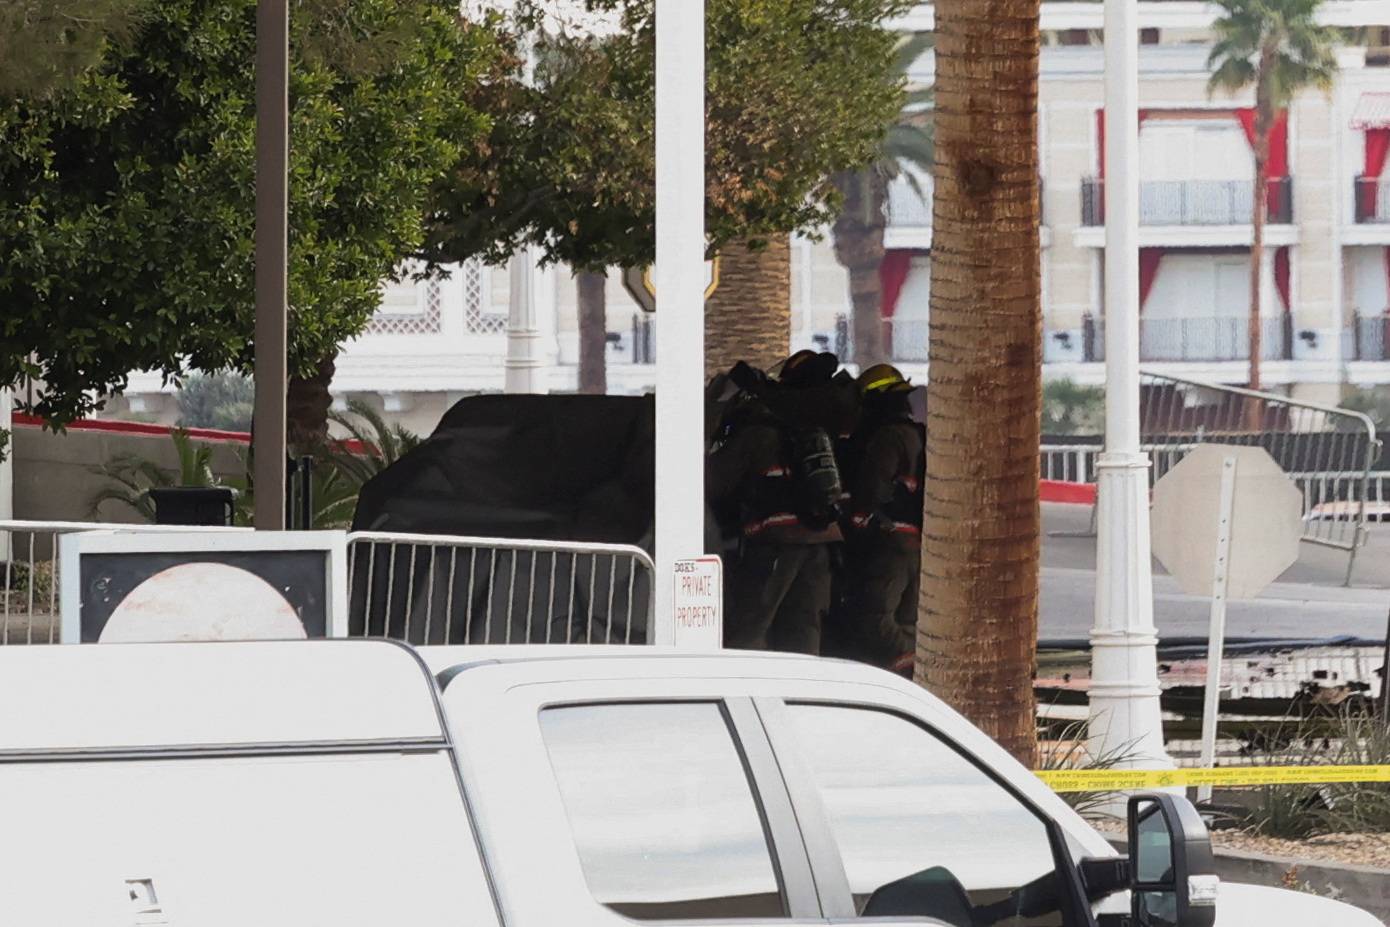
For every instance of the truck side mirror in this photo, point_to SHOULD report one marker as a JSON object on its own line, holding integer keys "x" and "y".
{"x": 1172, "y": 868}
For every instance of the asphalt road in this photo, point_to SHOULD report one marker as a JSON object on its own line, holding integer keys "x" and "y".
{"x": 1308, "y": 601}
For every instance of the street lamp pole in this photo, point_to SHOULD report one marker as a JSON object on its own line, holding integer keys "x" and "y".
{"x": 1124, "y": 693}
{"x": 680, "y": 284}
{"x": 272, "y": 259}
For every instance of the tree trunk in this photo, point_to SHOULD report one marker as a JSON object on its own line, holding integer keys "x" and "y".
{"x": 306, "y": 408}
{"x": 859, "y": 248}
{"x": 977, "y": 632}
{"x": 1264, "y": 122}
{"x": 593, "y": 332}
{"x": 748, "y": 317}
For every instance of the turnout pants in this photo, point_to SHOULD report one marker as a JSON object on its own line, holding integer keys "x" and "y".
{"x": 778, "y": 597}
{"x": 879, "y": 617}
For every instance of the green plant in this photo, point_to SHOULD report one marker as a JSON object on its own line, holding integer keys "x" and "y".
{"x": 1071, "y": 409}
{"x": 1345, "y": 736}
{"x": 132, "y": 476}
{"x": 343, "y": 465}
{"x": 1068, "y": 748}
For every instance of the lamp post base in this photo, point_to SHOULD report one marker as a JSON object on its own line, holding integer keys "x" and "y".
{"x": 1126, "y": 723}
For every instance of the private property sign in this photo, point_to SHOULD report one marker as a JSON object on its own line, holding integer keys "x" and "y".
{"x": 699, "y": 604}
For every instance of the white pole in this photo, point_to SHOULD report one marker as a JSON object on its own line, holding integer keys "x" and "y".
{"x": 1125, "y": 719}
{"x": 680, "y": 285}
{"x": 1216, "y": 641}
{"x": 525, "y": 363}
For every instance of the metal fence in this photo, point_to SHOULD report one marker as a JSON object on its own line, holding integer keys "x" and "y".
{"x": 1327, "y": 451}
{"x": 30, "y": 571}
{"x": 432, "y": 589}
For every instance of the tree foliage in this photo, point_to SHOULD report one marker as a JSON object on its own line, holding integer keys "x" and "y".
{"x": 797, "y": 89}
{"x": 126, "y": 202}
{"x": 1277, "y": 46}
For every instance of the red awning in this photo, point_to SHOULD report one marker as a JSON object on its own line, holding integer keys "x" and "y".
{"x": 1372, "y": 111}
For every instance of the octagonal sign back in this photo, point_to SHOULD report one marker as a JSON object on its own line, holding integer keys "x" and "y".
{"x": 1266, "y": 524}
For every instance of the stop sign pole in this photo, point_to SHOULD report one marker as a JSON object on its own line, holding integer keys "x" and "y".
{"x": 680, "y": 285}
{"x": 1216, "y": 642}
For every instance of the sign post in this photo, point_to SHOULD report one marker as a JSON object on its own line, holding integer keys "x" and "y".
{"x": 1216, "y": 637}
{"x": 1251, "y": 537}
{"x": 680, "y": 278}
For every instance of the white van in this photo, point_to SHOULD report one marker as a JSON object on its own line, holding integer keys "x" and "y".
{"x": 346, "y": 783}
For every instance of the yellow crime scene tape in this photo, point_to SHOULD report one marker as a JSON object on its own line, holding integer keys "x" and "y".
{"x": 1118, "y": 780}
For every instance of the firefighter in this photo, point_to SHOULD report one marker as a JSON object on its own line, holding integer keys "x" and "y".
{"x": 779, "y": 575}
{"x": 884, "y": 529}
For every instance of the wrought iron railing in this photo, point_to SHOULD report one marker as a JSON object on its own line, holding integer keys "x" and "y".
{"x": 1192, "y": 202}
{"x": 1202, "y": 339}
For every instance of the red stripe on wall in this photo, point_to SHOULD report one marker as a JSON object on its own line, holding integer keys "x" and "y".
{"x": 149, "y": 430}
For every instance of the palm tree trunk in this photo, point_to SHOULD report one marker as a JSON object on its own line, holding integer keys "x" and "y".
{"x": 858, "y": 235}
{"x": 866, "y": 296}
{"x": 593, "y": 332}
{"x": 1257, "y": 250}
{"x": 977, "y": 632}
{"x": 748, "y": 317}
{"x": 1264, "y": 122}
{"x": 306, "y": 407}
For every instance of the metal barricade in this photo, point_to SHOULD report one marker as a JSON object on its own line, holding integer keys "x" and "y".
{"x": 30, "y": 574}
{"x": 1327, "y": 451}
{"x": 1069, "y": 463}
{"x": 437, "y": 589}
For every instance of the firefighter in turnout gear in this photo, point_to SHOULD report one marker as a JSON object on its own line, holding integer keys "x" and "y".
{"x": 886, "y": 459}
{"x": 776, "y": 475}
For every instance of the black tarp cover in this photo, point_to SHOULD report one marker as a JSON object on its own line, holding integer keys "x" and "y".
{"x": 562, "y": 467}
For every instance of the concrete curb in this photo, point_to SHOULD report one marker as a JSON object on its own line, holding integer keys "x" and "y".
{"x": 1363, "y": 886}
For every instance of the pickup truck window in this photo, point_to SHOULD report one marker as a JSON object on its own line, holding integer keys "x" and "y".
{"x": 662, "y": 810}
{"x": 922, "y": 831}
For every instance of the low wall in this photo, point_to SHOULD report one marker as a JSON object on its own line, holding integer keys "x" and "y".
{"x": 53, "y": 478}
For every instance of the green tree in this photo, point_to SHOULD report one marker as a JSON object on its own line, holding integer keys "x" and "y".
{"x": 1279, "y": 48}
{"x": 859, "y": 228}
{"x": 126, "y": 203}
{"x": 217, "y": 400}
{"x": 797, "y": 89}
{"x": 1069, "y": 408}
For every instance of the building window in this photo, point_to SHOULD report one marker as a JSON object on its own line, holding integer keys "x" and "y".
{"x": 478, "y": 315}
{"x": 409, "y": 306}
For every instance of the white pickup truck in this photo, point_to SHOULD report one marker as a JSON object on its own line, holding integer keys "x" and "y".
{"x": 355, "y": 783}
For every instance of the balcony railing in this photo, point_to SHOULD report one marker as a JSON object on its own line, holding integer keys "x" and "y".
{"x": 1368, "y": 339}
{"x": 1202, "y": 339}
{"x": 1192, "y": 202}
{"x": 1372, "y": 199}
{"x": 907, "y": 209}
{"x": 906, "y": 339}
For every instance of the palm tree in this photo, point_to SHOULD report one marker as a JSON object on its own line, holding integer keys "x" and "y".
{"x": 1279, "y": 47}
{"x": 749, "y": 316}
{"x": 859, "y": 229}
{"x": 593, "y": 331}
{"x": 977, "y": 630}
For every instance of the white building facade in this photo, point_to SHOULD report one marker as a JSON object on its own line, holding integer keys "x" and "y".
{"x": 1325, "y": 301}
